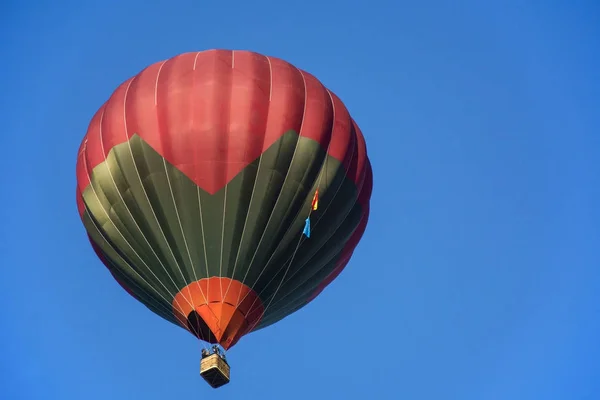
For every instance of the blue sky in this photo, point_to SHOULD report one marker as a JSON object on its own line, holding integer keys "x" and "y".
{"x": 478, "y": 276}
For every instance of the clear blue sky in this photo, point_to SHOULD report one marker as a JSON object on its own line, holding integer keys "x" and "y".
{"x": 478, "y": 276}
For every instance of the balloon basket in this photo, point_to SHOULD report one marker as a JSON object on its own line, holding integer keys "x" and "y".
{"x": 215, "y": 370}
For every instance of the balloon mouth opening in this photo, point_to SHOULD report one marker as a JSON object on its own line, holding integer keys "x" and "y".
{"x": 199, "y": 328}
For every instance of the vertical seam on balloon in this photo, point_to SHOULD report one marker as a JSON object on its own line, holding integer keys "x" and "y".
{"x": 360, "y": 140}
{"x": 278, "y": 196}
{"x": 222, "y": 241}
{"x": 198, "y": 195}
{"x": 203, "y": 233}
{"x": 156, "y": 83}
{"x": 205, "y": 256}
{"x": 255, "y": 180}
{"x": 229, "y": 97}
{"x": 202, "y": 227}
{"x": 203, "y": 241}
{"x": 191, "y": 104}
{"x": 270, "y": 81}
{"x": 196, "y": 60}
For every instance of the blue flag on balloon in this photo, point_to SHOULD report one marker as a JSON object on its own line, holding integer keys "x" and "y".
{"x": 307, "y": 227}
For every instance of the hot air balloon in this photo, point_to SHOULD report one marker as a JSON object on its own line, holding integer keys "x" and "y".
{"x": 224, "y": 190}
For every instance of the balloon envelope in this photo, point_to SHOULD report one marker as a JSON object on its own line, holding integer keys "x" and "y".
{"x": 223, "y": 189}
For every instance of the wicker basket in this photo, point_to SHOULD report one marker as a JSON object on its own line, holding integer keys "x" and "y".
{"x": 215, "y": 370}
